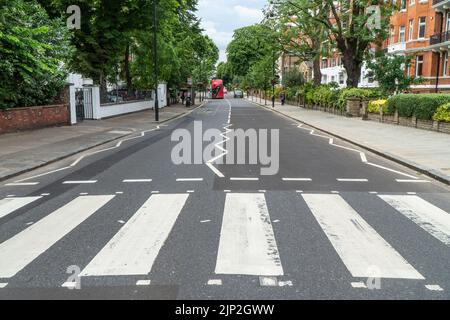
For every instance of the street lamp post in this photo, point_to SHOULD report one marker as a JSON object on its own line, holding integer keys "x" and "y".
{"x": 155, "y": 57}
{"x": 273, "y": 82}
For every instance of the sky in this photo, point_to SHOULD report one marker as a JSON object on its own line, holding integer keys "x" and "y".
{"x": 221, "y": 17}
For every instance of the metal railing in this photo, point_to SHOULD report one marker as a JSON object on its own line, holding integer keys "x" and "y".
{"x": 440, "y": 38}
{"x": 437, "y": 2}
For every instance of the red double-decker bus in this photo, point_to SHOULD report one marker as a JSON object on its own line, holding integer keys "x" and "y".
{"x": 217, "y": 89}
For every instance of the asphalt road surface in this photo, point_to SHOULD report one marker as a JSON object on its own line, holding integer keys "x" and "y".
{"x": 335, "y": 222}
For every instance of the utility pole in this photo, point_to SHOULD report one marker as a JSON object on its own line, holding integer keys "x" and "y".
{"x": 273, "y": 82}
{"x": 155, "y": 57}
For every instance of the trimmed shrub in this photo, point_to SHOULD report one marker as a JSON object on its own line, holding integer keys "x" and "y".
{"x": 376, "y": 106}
{"x": 422, "y": 106}
{"x": 443, "y": 113}
{"x": 357, "y": 93}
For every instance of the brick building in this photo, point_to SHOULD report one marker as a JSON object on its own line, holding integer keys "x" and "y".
{"x": 421, "y": 28}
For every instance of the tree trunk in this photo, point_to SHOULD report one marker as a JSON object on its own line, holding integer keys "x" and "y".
{"x": 353, "y": 68}
{"x": 352, "y": 52}
{"x": 317, "y": 72}
{"x": 103, "y": 89}
{"x": 128, "y": 72}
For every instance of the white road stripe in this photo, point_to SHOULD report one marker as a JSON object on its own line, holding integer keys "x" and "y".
{"x": 190, "y": 179}
{"x": 134, "y": 249}
{"x": 17, "y": 252}
{"x": 297, "y": 179}
{"x": 10, "y": 205}
{"x": 412, "y": 181}
{"x": 143, "y": 282}
{"x": 352, "y": 180}
{"x": 244, "y": 179}
{"x": 434, "y": 287}
{"x": 137, "y": 180}
{"x": 427, "y": 216}
{"x": 80, "y": 182}
{"x": 19, "y": 184}
{"x": 247, "y": 243}
{"x": 363, "y": 251}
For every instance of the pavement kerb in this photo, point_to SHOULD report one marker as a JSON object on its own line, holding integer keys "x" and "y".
{"x": 7, "y": 177}
{"x": 410, "y": 164}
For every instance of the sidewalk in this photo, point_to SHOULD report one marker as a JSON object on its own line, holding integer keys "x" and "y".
{"x": 24, "y": 151}
{"x": 425, "y": 151}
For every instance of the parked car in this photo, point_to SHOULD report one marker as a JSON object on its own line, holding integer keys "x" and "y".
{"x": 238, "y": 94}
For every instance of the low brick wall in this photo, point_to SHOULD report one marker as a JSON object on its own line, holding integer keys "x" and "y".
{"x": 18, "y": 119}
{"x": 429, "y": 125}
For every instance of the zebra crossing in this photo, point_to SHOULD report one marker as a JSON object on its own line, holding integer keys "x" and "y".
{"x": 247, "y": 242}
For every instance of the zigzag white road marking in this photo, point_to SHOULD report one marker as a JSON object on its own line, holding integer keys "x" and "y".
{"x": 225, "y": 137}
{"x": 119, "y": 144}
{"x": 361, "y": 154}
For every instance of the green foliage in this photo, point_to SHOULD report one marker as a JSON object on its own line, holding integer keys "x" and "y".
{"x": 293, "y": 78}
{"x": 422, "y": 106}
{"x": 113, "y": 30}
{"x": 375, "y": 106}
{"x": 363, "y": 94}
{"x": 347, "y": 22}
{"x": 443, "y": 113}
{"x": 390, "y": 73}
{"x": 248, "y": 47}
{"x": 224, "y": 73}
{"x": 32, "y": 47}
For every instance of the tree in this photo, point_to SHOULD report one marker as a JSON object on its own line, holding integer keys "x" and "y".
{"x": 248, "y": 46}
{"x": 224, "y": 73}
{"x": 300, "y": 35}
{"x": 260, "y": 75}
{"x": 116, "y": 40}
{"x": 349, "y": 27}
{"x": 390, "y": 73}
{"x": 293, "y": 78}
{"x": 32, "y": 47}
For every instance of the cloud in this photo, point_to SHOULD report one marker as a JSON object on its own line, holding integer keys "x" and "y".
{"x": 221, "y": 17}
{"x": 250, "y": 15}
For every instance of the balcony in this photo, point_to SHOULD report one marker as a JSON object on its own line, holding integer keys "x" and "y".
{"x": 440, "y": 38}
{"x": 441, "y": 5}
{"x": 399, "y": 47}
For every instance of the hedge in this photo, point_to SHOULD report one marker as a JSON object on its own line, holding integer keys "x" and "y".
{"x": 443, "y": 113}
{"x": 422, "y": 106}
{"x": 376, "y": 106}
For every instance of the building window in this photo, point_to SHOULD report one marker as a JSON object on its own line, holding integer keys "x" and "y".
{"x": 447, "y": 22}
{"x": 445, "y": 63}
{"x": 324, "y": 78}
{"x": 419, "y": 66}
{"x": 401, "y": 34}
{"x": 333, "y": 79}
{"x": 392, "y": 35}
{"x": 341, "y": 78}
{"x": 411, "y": 30}
{"x": 403, "y": 5}
{"x": 412, "y": 2}
{"x": 422, "y": 27}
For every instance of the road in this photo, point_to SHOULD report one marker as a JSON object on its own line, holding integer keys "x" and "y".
{"x": 335, "y": 222}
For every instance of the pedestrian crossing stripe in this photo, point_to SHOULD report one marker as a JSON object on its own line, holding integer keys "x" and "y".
{"x": 9, "y": 205}
{"x": 247, "y": 242}
{"x": 133, "y": 250}
{"x": 363, "y": 251}
{"x": 19, "y": 251}
{"x": 429, "y": 217}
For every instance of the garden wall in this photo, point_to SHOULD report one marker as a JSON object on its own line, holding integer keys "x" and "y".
{"x": 17, "y": 119}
